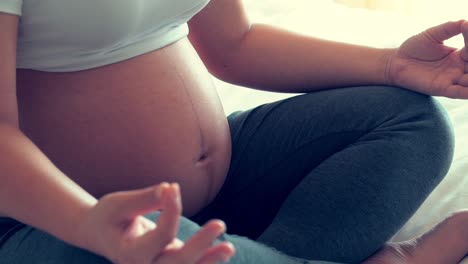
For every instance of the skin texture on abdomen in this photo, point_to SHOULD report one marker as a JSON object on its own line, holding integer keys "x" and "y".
{"x": 154, "y": 118}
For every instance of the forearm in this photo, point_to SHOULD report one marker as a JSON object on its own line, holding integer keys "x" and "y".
{"x": 277, "y": 60}
{"x": 34, "y": 191}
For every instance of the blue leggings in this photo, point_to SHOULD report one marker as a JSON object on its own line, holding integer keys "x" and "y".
{"x": 329, "y": 175}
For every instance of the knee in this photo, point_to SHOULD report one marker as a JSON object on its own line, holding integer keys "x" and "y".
{"x": 437, "y": 138}
{"x": 427, "y": 126}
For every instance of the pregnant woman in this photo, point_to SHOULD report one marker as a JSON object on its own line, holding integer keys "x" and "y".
{"x": 109, "y": 122}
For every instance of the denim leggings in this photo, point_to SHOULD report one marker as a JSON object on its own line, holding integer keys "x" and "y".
{"x": 329, "y": 175}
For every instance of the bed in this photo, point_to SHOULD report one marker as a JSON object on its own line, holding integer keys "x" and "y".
{"x": 327, "y": 19}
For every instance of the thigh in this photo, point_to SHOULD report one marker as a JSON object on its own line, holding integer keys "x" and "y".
{"x": 247, "y": 251}
{"x": 276, "y": 145}
{"x": 22, "y": 244}
{"x": 29, "y": 245}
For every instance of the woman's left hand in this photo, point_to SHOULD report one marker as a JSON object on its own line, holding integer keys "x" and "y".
{"x": 424, "y": 64}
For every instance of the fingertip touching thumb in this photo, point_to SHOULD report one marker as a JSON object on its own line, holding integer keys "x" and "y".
{"x": 464, "y": 29}
{"x": 446, "y": 30}
{"x": 142, "y": 201}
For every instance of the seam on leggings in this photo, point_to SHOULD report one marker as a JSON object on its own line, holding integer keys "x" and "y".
{"x": 13, "y": 230}
{"x": 29, "y": 230}
{"x": 279, "y": 103}
{"x": 290, "y": 155}
{"x": 363, "y": 134}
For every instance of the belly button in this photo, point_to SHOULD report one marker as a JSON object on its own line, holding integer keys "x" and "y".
{"x": 203, "y": 157}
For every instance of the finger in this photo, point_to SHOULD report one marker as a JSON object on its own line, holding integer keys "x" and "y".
{"x": 202, "y": 240}
{"x": 175, "y": 245}
{"x": 222, "y": 252}
{"x": 464, "y": 52}
{"x": 168, "y": 223}
{"x": 445, "y": 31}
{"x": 456, "y": 92}
{"x": 130, "y": 204}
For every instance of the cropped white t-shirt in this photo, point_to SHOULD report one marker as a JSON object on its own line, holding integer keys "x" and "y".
{"x": 72, "y": 35}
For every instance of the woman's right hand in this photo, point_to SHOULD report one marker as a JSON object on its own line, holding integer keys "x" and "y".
{"x": 116, "y": 229}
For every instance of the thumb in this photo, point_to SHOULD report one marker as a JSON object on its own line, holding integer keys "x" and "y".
{"x": 445, "y": 31}
{"x": 464, "y": 29}
{"x": 130, "y": 204}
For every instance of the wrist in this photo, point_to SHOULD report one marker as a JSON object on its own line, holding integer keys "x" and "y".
{"x": 78, "y": 234}
{"x": 387, "y": 59}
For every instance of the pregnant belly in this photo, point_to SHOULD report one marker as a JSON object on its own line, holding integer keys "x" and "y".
{"x": 153, "y": 118}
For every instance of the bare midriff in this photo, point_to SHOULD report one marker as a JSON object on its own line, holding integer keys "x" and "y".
{"x": 154, "y": 118}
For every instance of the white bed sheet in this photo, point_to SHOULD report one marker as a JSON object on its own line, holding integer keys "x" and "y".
{"x": 326, "y": 19}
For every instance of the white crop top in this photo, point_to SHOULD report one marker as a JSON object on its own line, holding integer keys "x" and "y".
{"x": 72, "y": 35}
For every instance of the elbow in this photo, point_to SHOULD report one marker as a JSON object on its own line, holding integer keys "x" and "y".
{"x": 222, "y": 71}
{"x": 225, "y": 69}
{"x": 227, "y": 62}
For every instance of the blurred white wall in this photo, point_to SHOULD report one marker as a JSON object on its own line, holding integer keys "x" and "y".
{"x": 390, "y": 22}
{"x": 401, "y": 5}
{"x": 431, "y": 8}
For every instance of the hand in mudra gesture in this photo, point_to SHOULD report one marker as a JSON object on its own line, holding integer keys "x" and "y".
{"x": 424, "y": 64}
{"x": 116, "y": 229}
